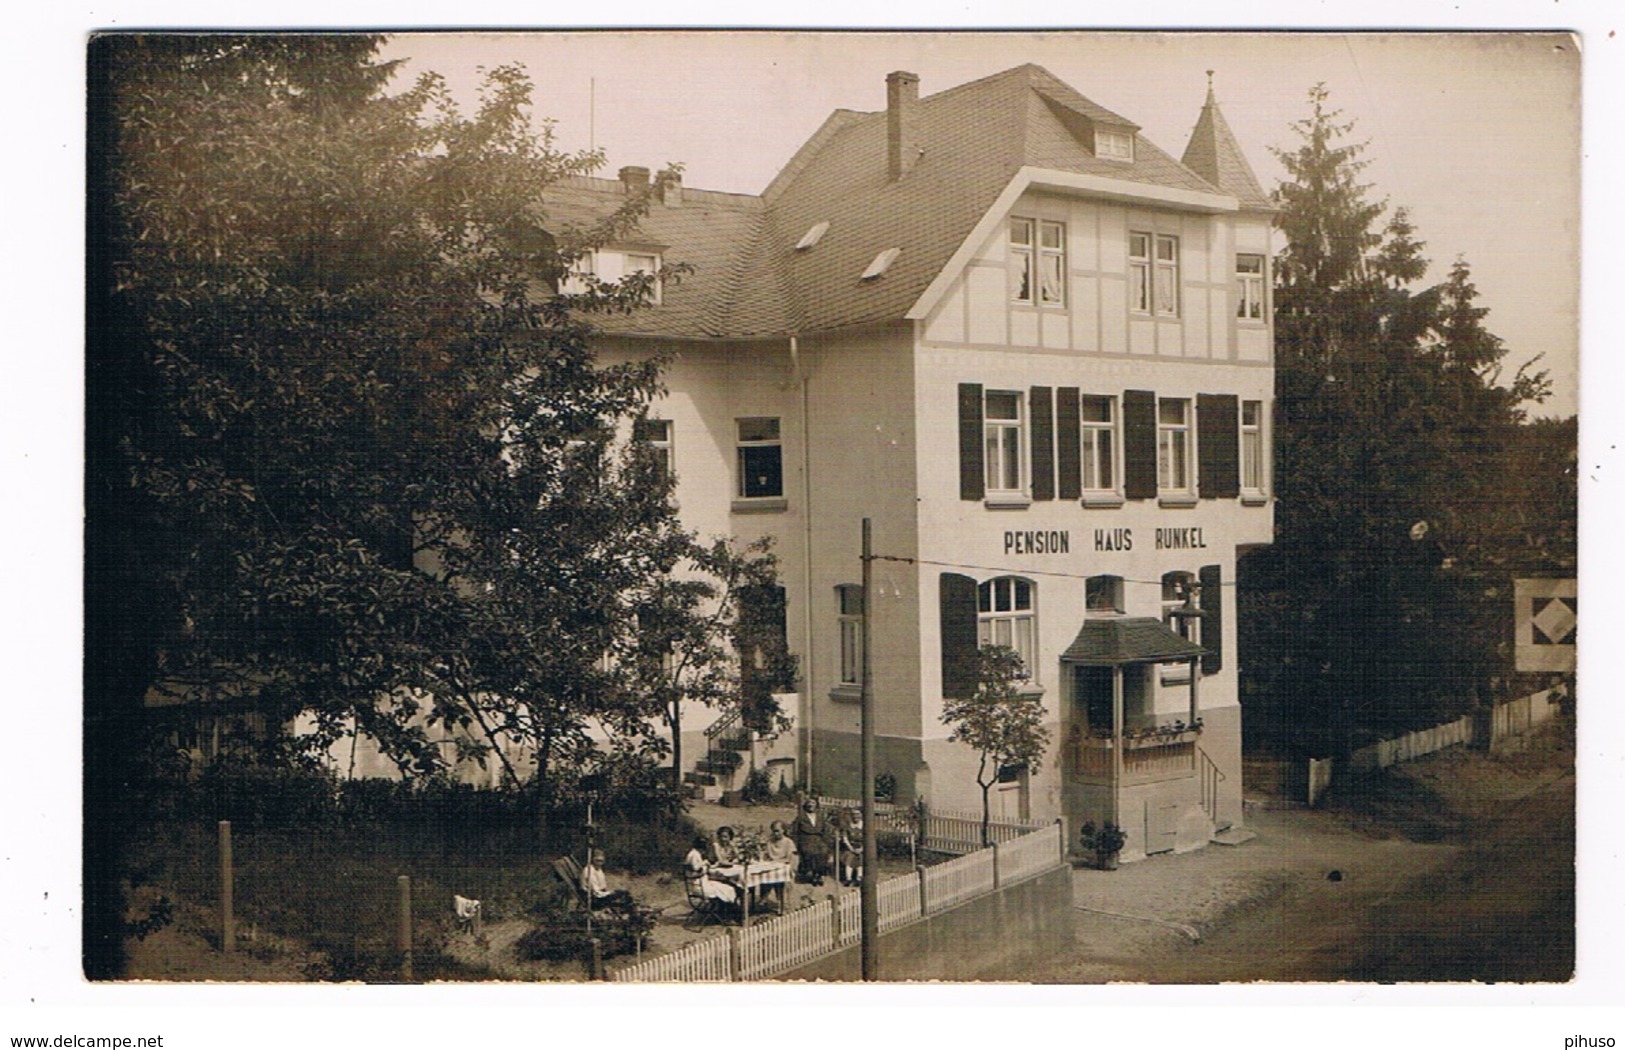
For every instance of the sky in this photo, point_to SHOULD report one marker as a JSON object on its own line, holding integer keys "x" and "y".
{"x": 1477, "y": 135}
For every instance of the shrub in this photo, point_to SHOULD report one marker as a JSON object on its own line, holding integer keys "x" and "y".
{"x": 563, "y": 936}
{"x": 758, "y": 788}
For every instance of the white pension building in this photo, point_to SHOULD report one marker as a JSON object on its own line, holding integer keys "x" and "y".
{"x": 1036, "y": 351}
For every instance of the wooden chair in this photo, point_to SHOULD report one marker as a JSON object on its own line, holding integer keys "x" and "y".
{"x": 701, "y": 908}
{"x": 567, "y": 871}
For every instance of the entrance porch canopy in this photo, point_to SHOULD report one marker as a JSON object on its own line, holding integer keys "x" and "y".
{"x": 1123, "y": 641}
{"x": 1120, "y": 640}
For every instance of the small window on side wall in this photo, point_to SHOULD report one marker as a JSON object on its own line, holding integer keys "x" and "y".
{"x": 761, "y": 459}
{"x": 655, "y": 436}
{"x": 849, "y": 609}
{"x": 1103, "y": 596}
{"x": 1250, "y": 287}
{"x": 1252, "y": 448}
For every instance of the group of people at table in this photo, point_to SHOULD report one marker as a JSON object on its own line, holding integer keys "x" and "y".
{"x": 814, "y": 847}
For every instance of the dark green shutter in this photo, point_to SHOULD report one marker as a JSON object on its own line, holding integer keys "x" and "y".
{"x": 1070, "y": 485}
{"x": 1212, "y": 606}
{"x": 957, "y": 634}
{"x": 970, "y": 441}
{"x": 1218, "y": 451}
{"x": 1139, "y": 444}
{"x": 1043, "y": 411}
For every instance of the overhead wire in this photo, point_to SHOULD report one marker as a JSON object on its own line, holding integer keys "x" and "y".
{"x": 1007, "y": 570}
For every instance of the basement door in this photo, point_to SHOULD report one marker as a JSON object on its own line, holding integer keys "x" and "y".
{"x": 1161, "y": 826}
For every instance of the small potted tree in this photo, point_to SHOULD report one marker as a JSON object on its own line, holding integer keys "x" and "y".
{"x": 1105, "y": 842}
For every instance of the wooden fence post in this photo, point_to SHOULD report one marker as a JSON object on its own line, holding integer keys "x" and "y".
{"x": 995, "y": 849}
{"x": 403, "y": 930}
{"x": 598, "y": 959}
{"x": 228, "y": 933}
{"x": 736, "y": 954}
{"x": 919, "y": 871}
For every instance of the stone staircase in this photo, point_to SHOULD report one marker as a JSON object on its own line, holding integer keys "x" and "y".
{"x": 726, "y": 762}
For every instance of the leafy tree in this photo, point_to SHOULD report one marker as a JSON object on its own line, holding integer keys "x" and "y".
{"x": 325, "y": 354}
{"x": 1001, "y": 723}
{"x": 1391, "y": 432}
{"x": 691, "y": 634}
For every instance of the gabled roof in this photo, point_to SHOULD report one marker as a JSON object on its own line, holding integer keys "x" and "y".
{"x": 1112, "y": 641}
{"x": 1214, "y": 154}
{"x": 978, "y": 140}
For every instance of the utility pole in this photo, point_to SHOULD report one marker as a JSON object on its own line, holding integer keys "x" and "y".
{"x": 869, "y": 899}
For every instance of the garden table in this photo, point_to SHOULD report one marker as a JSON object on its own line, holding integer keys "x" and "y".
{"x": 759, "y": 874}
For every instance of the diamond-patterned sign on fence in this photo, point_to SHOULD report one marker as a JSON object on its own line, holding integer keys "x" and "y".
{"x": 1545, "y": 615}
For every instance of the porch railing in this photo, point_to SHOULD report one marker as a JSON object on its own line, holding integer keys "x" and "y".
{"x": 1211, "y": 777}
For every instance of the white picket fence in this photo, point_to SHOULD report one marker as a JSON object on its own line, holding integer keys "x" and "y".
{"x": 776, "y": 945}
{"x": 708, "y": 960}
{"x": 899, "y": 899}
{"x": 952, "y": 832}
{"x": 1029, "y": 855}
{"x": 957, "y": 880}
{"x": 782, "y": 943}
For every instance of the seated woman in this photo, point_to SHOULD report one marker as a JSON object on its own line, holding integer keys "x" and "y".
{"x": 723, "y": 852}
{"x": 779, "y": 847}
{"x": 697, "y": 871}
{"x": 851, "y": 848}
{"x": 596, "y": 888}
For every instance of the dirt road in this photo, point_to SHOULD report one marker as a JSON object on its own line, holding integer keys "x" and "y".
{"x": 1457, "y": 867}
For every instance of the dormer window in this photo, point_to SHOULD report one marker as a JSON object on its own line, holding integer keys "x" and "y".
{"x": 611, "y": 266}
{"x": 643, "y": 263}
{"x": 812, "y": 236}
{"x": 1114, "y": 145}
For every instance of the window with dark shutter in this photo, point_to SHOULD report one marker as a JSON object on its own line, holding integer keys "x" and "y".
{"x": 957, "y": 601}
{"x": 970, "y": 441}
{"x": 1210, "y": 598}
{"x": 1043, "y": 415}
{"x": 1070, "y": 483}
{"x": 1218, "y": 455}
{"x": 1139, "y": 444}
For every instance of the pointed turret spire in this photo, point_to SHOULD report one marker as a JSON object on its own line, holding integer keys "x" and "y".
{"x": 1213, "y": 154}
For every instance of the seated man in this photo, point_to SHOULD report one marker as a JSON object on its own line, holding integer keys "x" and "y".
{"x": 596, "y": 888}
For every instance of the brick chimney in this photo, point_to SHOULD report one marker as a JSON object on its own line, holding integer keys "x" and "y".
{"x": 634, "y": 179}
{"x": 671, "y": 191}
{"x": 902, "y": 123}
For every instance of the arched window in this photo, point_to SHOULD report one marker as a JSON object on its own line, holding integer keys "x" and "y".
{"x": 1004, "y": 616}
